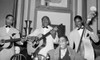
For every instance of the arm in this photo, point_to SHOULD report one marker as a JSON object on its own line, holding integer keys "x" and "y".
{"x": 54, "y": 35}
{"x": 94, "y": 37}
{"x": 91, "y": 33}
{"x": 17, "y": 35}
{"x": 56, "y": 39}
{"x": 35, "y": 33}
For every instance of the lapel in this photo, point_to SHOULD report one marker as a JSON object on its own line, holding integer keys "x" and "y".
{"x": 76, "y": 38}
{"x": 3, "y": 33}
{"x": 11, "y": 30}
{"x": 57, "y": 53}
{"x": 71, "y": 53}
{"x": 4, "y": 30}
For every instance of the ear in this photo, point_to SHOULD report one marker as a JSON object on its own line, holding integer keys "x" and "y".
{"x": 67, "y": 43}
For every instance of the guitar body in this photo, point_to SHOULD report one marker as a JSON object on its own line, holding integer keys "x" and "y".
{"x": 37, "y": 47}
{"x": 34, "y": 48}
{"x": 7, "y": 43}
{"x": 4, "y": 45}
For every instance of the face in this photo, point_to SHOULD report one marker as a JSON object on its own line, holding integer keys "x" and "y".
{"x": 63, "y": 43}
{"x": 45, "y": 22}
{"x": 78, "y": 23}
{"x": 9, "y": 20}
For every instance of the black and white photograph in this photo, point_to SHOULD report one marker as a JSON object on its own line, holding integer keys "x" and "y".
{"x": 49, "y": 29}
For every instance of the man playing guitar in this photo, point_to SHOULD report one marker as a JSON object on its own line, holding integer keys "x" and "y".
{"x": 8, "y": 32}
{"x": 50, "y": 38}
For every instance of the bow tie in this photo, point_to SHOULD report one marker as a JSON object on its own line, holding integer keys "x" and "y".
{"x": 7, "y": 26}
{"x": 80, "y": 28}
{"x": 45, "y": 27}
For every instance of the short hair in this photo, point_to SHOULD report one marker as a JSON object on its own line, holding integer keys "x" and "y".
{"x": 9, "y": 15}
{"x": 65, "y": 37}
{"x": 77, "y": 17}
{"x": 46, "y": 18}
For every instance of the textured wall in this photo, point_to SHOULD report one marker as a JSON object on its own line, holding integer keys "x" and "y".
{"x": 6, "y": 7}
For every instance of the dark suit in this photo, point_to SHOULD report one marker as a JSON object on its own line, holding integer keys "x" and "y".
{"x": 54, "y": 54}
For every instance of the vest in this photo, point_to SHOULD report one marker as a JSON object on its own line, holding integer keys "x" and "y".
{"x": 66, "y": 57}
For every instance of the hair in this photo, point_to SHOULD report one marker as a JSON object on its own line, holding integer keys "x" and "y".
{"x": 46, "y": 18}
{"x": 65, "y": 37}
{"x": 77, "y": 17}
{"x": 9, "y": 15}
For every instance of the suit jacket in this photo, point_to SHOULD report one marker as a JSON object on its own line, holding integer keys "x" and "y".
{"x": 54, "y": 54}
{"x": 6, "y": 54}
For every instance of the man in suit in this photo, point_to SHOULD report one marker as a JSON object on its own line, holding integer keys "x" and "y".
{"x": 84, "y": 48}
{"x": 63, "y": 51}
{"x": 50, "y": 39}
{"x": 8, "y": 32}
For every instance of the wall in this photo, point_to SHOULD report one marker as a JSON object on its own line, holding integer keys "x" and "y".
{"x": 98, "y": 14}
{"x": 6, "y": 7}
{"x": 77, "y": 9}
{"x": 25, "y": 11}
{"x": 53, "y": 12}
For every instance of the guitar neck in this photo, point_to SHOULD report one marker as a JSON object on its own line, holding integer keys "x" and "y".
{"x": 12, "y": 40}
{"x": 44, "y": 36}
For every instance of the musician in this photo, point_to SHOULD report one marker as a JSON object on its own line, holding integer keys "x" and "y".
{"x": 86, "y": 48}
{"x": 8, "y": 32}
{"x": 64, "y": 52}
{"x": 50, "y": 39}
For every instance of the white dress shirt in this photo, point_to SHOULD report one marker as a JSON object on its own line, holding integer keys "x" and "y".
{"x": 63, "y": 52}
{"x": 7, "y": 29}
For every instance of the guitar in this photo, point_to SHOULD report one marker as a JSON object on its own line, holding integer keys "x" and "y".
{"x": 40, "y": 43}
{"x": 8, "y": 43}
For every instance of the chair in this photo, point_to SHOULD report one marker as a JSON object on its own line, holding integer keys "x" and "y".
{"x": 18, "y": 57}
{"x": 39, "y": 57}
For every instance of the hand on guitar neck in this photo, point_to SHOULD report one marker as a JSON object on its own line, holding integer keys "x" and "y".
{"x": 53, "y": 32}
{"x": 88, "y": 28}
{"x": 29, "y": 38}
